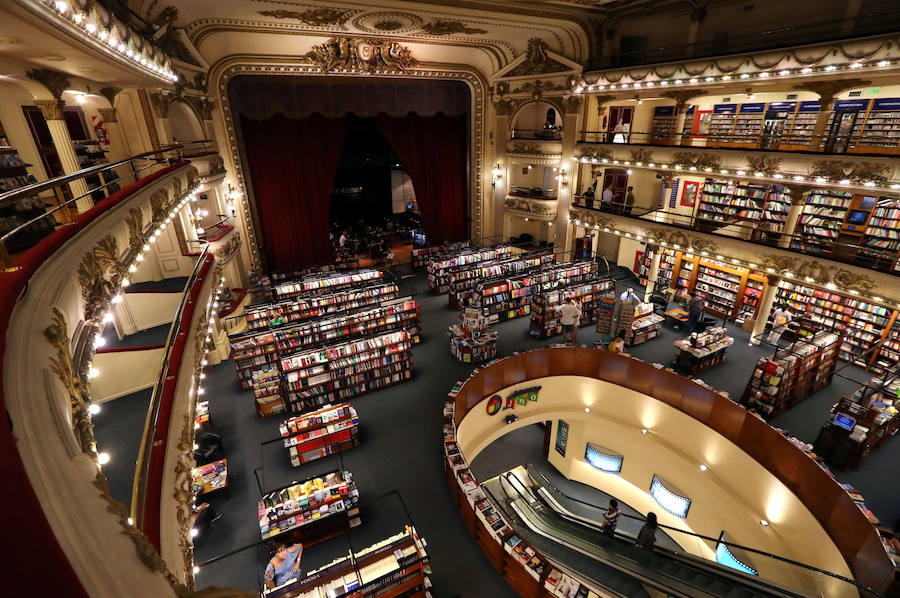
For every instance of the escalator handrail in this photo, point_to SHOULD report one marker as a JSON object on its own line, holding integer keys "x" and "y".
{"x": 726, "y": 543}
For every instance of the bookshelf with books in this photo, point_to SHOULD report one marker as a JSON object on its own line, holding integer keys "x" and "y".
{"x": 748, "y": 124}
{"x": 421, "y": 256}
{"x": 774, "y": 214}
{"x": 588, "y": 293}
{"x": 510, "y": 298}
{"x": 793, "y": 374}
{"x": 464, "y": 280}
{"x": 440, "y": 269}
{"x": 881, "y": 129}
{"x": 312, "y": 511}
{"x": 14, "y": 213}
{"x": 721, "y": 123}
{"x": 684, "y": 274}
{"x": 606, "y": 307}
{"x": 325, "y": 431}
{"x": 882, "y": 233}
{"x": 314, "y": 284}
{"x": 751, "y": 297}
{"x": 821, "y": 220}
{"x": 887, "y": 357}
{"x": 251, "y": 353}
{"x": 395, "y": 567}
{"x": 666, "y": 268}
{"x": 662, "y": 127}
{"x": 724, "y": 286}
{"x": 314, "y": 377}
{"x": 721, "y": 287}
{"x": 272, "y": 315}
{"x": 729, "y": 201}
{"x": 800, "y": 136}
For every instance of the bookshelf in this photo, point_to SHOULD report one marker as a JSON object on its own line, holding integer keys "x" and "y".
{"x": 886, "y": 359}
{"x": 728, "y": 290}
{"x": 804, "y": 123}
{"x": 662, "y": 127}
{"x": 727, "y": 201}
{"x": 323, "y": 432}
{"x": 666, "y": 268}
{"x": 251, "y": 353}
{"x": 14, "y": 213}
{"x": 643, "y": 267}
{"x": 748, "y": 124}
{"x": 791, "y": 375}
{"x": 588, "y": 292}
{"x": 882, "y": 126}
{"x": 440, "y": 269}
{"x": 721, "y": 288}
{"x": 882, "y": 232}
{"x": 862, "y": 324}
{"x": 324, "y": 282}
{"x": 394, "y": 567}
{"x": 750, "y": 299}
{"x": 464, "y": 280}
{"x": 349, "y": 369}
{"x": 510, "y": 298}
{"x": 821, "y": 220}
{"x": 606, "y": 308}
{"x": 272, "y": 315}
{"x": 721, "y": 123}
{"x": 311, "y": 511}
{"x": 421, "y": 257}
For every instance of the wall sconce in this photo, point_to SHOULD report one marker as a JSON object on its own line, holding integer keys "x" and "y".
{"x": 498, "y": 174}
{"x": 232, "y": 196}
{"x": 563, "y": 177}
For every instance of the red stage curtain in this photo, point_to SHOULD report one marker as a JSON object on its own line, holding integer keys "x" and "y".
{"x": 292, "y": 164}
{"x": 433, "y": 150}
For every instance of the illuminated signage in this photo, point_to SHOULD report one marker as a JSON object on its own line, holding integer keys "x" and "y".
{"x": 724, "y": 556}
{"x": 669, "y": 498}
{"x": 562, "y": 437}
{"x": 603, "y": 459}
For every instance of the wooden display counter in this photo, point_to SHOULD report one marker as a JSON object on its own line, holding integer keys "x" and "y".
{"x": 700, "y": 359}
{"x": 846, "y": 525}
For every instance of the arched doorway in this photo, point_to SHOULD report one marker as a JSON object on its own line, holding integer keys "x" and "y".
{"x": 184, "y": 124}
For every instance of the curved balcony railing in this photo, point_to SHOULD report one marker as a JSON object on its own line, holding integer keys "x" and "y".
{"x": 101, "y": 181}
{"x": 749, "y": 230}
{"x": 549, "y": 134}
{"x": 784, "y": 141}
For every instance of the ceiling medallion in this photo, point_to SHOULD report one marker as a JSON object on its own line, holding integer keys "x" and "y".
{"x": 387, "y": 22}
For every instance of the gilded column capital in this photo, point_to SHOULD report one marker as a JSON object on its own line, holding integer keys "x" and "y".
{"x": 773, "y": 279}
{"x": 55, "y": 82}
{"x": 51, "y": 109}
{"x": 109, "y": 115}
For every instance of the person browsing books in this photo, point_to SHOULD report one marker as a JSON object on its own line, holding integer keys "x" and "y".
{"x": 696, "y": 305}
{"x": 569, "y": 314}
{"x": 781, "y": 317}
{"x": 629, "y": 295}
{"x": 284, "y": 566}
{"x": 610, "y": 518}
{"x": 618, "y": 344}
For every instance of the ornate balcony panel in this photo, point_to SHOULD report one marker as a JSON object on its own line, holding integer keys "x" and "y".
{"x": 543, "y": 210}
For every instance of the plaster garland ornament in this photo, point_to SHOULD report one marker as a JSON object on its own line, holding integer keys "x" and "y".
{"x": 537, "y": 88}
{"x": 98, "y": 275}
{"x": 594, "y": 154}
{"x": 216, "y": 167}
{"x": 857, "y": 172}
{"x": 362, "y": 55}
{"x": 229, "y": 249}
{"x": 183, "y": 494}
{"x": 591, "y": 219}
{"x": 530, "y": 149}
{"x": 447, "y": 27}
{"x": 505, "y": 106}
{"x": 161, "y": 103}
{"x": 315, "y": 17}
{"x": 642, "y": 155}
{"x": 682, "y": 239}
{"x": 176, "y": 187}
{"x": 534, "y": 208}
{"x": 571, "y": 104}
{"x": 819, "y": 271}
{"x": 768, "y": 165}
{"x": 110, "y": 94}
{"x": 159, "y": 206}
{"x": 73, "y": 381}
{"x": 697, "y": 160}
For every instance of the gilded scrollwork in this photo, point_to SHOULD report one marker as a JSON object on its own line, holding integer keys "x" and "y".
{"x": 72, "y": 380}
{"x": 505, "y": 106}
{"x": 857, "y": 172}
{"x": 537, "y": 88}
{"x": 448, "y": 27}
{"x": 681, "y": 240}
{"x": 183, "y": 494}
{"x": 541, "y": 209}
{"x": 159, "y": 206}
{"x": 642, "y": 155}
{"x": 594, "y": 154}
{"x": 591, "y": 218}
{"x": 537, "y": 61}
{"x": 697, "y": 160}
{"x": 135, "y": 222}
{"x": 362, "y": 55}
{"x": 768, "y": 165}
{"x": 820, "y": 272}
{"x": 315, "y": 17}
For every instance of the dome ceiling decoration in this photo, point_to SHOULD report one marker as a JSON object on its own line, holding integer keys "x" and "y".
{"x": 387, "y": 22}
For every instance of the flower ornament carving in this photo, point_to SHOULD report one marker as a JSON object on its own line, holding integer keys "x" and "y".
{"x": 362, "y": 55}
{"x": 541, "y": 209}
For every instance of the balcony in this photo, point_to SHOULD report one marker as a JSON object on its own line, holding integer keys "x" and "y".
{"x": 548, "y": 134}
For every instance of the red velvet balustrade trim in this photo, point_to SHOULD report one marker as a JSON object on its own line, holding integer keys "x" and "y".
{"x": 153, "y": 493}
{"x": 292, "y": 164}
{"x": 28, "y": 547}
{"x": 434, "y": 151}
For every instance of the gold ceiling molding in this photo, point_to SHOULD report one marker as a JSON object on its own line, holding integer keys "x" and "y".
{"x": 681, "y": 239}
{"x": 314, "y": 17}
{"x": 74, "y": 380}
{"x": 361, "y": 55}
{"x": 448, "y": 27}
{"x": 537, "y": 88}
{"x": 820, "y": 272}
{"x": 464, "y": 73}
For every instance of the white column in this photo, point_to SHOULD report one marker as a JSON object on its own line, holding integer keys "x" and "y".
{"x": 53, "y": 114}
{"x": 500, "y": 184}
{"x": 571, "y": 124}
{"x": 765, "y": 309}
{"x": 798, "y": 200}
{"x": 653, "y": 274}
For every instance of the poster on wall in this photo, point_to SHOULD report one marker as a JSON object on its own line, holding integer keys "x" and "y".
{"x": 689, "y": 193}
{"x": 562, "y": 436}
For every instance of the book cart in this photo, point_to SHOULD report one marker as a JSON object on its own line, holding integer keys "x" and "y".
{"x": 793, "y": 374}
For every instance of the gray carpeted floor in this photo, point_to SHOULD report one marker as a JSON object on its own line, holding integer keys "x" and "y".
{"x": 401, "y": 451}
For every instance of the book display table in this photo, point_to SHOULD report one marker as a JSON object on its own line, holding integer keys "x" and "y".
{"x": 699, "y": 352}
{"x": 472, "y": 346}
{"x": 209, "y": 478}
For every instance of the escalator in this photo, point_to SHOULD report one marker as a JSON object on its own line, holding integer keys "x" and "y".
{"x": 566, "y": 531}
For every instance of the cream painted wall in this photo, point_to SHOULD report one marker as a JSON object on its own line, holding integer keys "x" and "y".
{"x": 131, "y": 122}
{"x": 628, "y": 249}
{"x": 536, "y": 228}
{"x": 533, "y": 116}
{"x": 125, "y": 372}
{"x": 734, "y": 494}
{"x": 151, "y": 309}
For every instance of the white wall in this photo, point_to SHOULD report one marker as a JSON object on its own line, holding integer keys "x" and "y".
{"x": 125, "y": 372}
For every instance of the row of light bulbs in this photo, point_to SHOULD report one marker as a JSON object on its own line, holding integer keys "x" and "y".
{"x": 583, "y": 86}
{"x": 212, "y": 304}
{"x": 759, "y": 175}
{"x": 734, "y": 261}
{"x": 150, "y": 61}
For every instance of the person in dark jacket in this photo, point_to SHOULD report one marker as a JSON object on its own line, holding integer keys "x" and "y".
{"x": 647, "y": 536}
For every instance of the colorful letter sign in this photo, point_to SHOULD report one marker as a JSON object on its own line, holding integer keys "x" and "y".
{"x": 520, "y": 397}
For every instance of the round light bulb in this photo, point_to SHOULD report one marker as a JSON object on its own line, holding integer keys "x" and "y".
{"x": 103, "y": 458}
{"x": 94, "y": 409}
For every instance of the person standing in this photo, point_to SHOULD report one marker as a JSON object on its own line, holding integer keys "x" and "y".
{"x": 696, "y": 305}
{"x": 610, "y": 518}
{"x": 570, "y": 317}
{"x": 284, "y": 566}
{"x": 781, "y": 317}
{"x": 617, "y": 345}
{"x": 629, "y": 295}
{"x": 606, "y": 200}
{"x": 629, "y": 201}
{"x": 647, "y": 536}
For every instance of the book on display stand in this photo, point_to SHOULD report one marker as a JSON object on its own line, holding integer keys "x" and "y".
{"x": 326, "y": 431}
